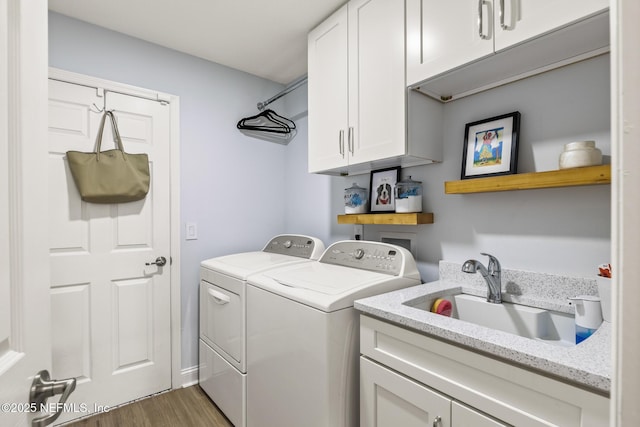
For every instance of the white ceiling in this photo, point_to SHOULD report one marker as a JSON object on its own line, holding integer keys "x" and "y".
{"x": 267, "y": 38}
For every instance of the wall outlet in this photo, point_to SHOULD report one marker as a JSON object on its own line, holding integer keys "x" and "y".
{"x": 358, "y": 232}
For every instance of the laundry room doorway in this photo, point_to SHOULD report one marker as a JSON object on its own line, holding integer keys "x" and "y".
{"x": 114, "y": 268}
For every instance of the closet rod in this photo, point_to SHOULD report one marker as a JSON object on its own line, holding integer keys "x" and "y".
{"x": 302, "y": 80}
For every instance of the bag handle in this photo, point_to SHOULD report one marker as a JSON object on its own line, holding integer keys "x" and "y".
{"x": 115, "y": 131}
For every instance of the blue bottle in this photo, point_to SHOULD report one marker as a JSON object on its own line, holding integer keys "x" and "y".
{"x": 588, "y": 316}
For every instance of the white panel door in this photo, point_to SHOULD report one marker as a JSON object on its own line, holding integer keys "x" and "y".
{"x": 110, "y": 312}
{"x": 523, "y": 19}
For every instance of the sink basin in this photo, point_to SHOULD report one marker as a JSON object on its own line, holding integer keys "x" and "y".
{"x": 528, "y": 322}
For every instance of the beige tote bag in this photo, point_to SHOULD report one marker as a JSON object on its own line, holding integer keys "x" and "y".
{"x": 111, "y": 176}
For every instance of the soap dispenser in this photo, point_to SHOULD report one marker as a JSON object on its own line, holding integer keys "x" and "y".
{"x": 588, "y": 315}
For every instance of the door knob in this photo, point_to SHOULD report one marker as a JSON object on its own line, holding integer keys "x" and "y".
{"x": 160, "y": 262}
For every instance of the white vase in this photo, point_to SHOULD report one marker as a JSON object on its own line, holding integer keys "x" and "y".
{"x": 580, "y": 154}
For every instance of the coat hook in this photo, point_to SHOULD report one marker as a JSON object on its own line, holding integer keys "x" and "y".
{"x": 97, "y": 109}
{"x": 104, "y": 103}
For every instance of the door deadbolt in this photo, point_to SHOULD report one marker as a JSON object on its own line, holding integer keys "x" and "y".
{"x": 160, "y": 262}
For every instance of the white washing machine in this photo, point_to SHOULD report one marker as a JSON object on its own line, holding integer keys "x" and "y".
{"x": 222, "y": 345}
{"x": 303, "y": 333}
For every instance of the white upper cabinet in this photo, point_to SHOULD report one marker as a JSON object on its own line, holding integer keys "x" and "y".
{"x": 328, "y": 93}
{"x": 520, "y": 20}
{"x": 454, "y": 50}
{"x": 357, "y": 85}
{"x": 357, "y": 90}
{"x": 442, "y": 35}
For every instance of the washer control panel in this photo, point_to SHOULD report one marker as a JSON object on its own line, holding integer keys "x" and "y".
{"x": 373, "y": 256}
{"x": 295, "y": 245}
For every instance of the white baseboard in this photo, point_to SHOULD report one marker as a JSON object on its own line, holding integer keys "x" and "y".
{"x": 189, "y": 376}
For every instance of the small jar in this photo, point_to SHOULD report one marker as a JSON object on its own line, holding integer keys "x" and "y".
{"x": 408, "y": 196}
{"x": 355, "y": 200}
{"x": 580, "y": 154}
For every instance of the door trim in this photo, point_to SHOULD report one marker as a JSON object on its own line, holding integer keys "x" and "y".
{"x": 625, "y": 231}
{"x": 174, "y": 191}
{"x": 23, "y": 155}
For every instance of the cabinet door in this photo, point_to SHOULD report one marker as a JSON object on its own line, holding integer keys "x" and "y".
{"x": 327, "y": 91}
{"x": 525, "y": 19}
{"x": 442, "y": 35}
{"x": 388, "y": 399}
{"x": 463, "y": 416}
{"x": 377, "y": 85}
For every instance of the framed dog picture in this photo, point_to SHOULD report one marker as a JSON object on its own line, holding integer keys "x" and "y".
{"x": 491, "y": 146}
{"x": 382, "y": 183}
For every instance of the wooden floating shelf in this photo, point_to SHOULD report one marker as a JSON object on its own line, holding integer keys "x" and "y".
{"x": 591, "y": 175}
{"x": 388, "y": 219}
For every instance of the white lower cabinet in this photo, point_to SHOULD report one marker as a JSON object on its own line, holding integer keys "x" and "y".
{"x": 410, "y": 379}
{"x": 388, "y": 399}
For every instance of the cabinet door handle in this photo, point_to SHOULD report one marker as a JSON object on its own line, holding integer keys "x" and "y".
{"x": 351, "y": 139}
{"x": 502, "y": 14}
{"x": 437, "y": 421}
{"x": 341, "y": 143}
{"x": 481, "y": 20}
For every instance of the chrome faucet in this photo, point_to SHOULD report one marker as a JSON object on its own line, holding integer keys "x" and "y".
{"x": 491, "y": 276}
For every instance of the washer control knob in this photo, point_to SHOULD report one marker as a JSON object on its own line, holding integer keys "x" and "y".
{"x": 359, "y": 253}
{"x": 287, "y": 244}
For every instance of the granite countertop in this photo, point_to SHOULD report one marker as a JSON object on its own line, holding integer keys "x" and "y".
{"x": 587, "y": 364}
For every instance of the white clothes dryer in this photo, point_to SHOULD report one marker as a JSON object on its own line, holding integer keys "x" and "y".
{"x": 303, "y": 333}
{"x": 222, "y": 343}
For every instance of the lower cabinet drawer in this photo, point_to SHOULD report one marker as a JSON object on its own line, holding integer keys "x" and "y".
{"x": 463, "y": 416}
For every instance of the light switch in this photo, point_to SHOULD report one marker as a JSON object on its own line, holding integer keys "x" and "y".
{"x": 192, "y": 231}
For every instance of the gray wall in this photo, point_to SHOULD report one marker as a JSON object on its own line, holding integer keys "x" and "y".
{"x": 560, "y": 230}
{"x": 563, "y": 230}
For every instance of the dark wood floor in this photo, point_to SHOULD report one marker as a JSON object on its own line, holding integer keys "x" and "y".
{"x": 188, "y": 407}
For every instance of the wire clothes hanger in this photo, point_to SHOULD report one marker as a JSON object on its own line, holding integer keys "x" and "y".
{"x": 267, "y": 121}
{"x": 268, "y": 124}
